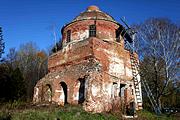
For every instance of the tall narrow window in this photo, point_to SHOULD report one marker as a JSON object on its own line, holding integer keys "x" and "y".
{"x": 68, "y": 36}
{"x": 92, "y": 31}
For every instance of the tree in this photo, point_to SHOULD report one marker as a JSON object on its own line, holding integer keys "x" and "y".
{"x": 2, "y": 46}
{"x": 12, "y": 83}
{"x": 20, "y": 71}
{"x": 157, "y": 43}
{"x": 4, "y": 81}
{"x": 12, "y": 58}
{"x": 56, "y": 47}
{"x": 31, "y": 62}
{"x": 17, "y": 84}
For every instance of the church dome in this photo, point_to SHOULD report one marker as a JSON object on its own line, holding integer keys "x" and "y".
{"x": 93, "y": 13}
{"x": 90, "y": 23}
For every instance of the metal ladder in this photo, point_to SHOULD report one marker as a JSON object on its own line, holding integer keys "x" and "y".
{"x": 136, "y": 71}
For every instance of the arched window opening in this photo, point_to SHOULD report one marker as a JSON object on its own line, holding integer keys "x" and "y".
{"x": 81, "y": 90}
{"x": 64, "y": 86}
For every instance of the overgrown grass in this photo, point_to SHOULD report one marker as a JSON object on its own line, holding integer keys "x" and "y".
{"x": 34, "y": 115}
{"x": 77, "y": 113}
{"x": 12, "y": 105}
{"x": 20, "y": 111}
{"x": 68, "y": 112}
{"x": 146, "y": 115}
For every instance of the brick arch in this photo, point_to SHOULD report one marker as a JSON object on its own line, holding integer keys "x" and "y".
{"x": 79, "y": 93}
{"x": 64, "y": 88}
{"x": 61, "y": 93}
{"x": 47, "y": 93}
{"x": 82, "y": 90}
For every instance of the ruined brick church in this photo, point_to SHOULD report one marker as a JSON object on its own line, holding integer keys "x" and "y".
{"x": 93, "y": 68}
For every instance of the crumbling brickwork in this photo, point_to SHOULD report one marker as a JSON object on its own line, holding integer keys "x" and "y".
{"x": 93, "y": 71}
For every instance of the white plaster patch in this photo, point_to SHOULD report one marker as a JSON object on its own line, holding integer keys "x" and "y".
{"x": 61, "y": 97}
{"x": 83, "y": 34}
{"x": 49, "y": 95}
{"x": 116, "y": 59}
{"x": 95, "y": 90}
{"x": 57, "y": 77}
{"x": 107, "y": 92}
{"x": 36, "y": 98}
{"x": 114, "y": 90}
{"x": 128, "y": 72}
{"x": 57, "y": 90}
{"x": 107, "y": 51}
{"x": 37, "y": 92}
{"x": 60, "y": 62}
{"x": 108, "y": 89}
{"x": 116, "y": 66}
{"x": 76, "y": 96}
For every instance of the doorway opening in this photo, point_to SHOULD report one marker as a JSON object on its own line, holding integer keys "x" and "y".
{"x": 81, "y": 90}
{"x": 64, "y": 86}
{"x": 122, "y": 88}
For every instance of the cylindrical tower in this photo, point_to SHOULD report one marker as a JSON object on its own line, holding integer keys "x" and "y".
{"x": 90, "y": 23}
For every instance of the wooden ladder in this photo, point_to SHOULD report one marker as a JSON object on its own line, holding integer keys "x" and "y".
{"x": 135, "y": 72}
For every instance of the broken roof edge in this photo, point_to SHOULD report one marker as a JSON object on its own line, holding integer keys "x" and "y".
{"x": 91, "y": 13}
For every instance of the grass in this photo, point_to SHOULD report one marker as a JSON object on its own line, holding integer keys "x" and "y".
{"x": 68, "y": 112}
{"x": 77, "y": 113}
{"x": 22, "y": 111}
{"x": 146, "y": 115}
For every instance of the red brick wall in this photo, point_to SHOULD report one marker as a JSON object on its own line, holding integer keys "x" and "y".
{"x": 80, "y": 30}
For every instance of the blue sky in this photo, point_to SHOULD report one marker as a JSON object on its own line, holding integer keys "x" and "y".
{"x": 31, "y": 20}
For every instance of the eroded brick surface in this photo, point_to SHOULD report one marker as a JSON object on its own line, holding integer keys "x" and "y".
{"x": 93, "y": 71}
